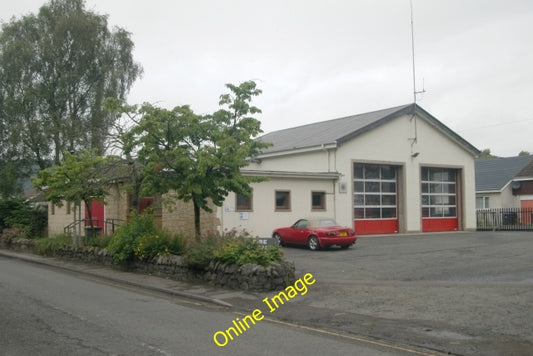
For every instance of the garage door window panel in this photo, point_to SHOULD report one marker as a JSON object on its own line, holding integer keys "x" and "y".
{"x": 388, "y": 213}
{"x": 438, "y": 193}
{"x": 372, "y": 200}
{"x": 388, "y": 200}
{"x": 375, "y": 191}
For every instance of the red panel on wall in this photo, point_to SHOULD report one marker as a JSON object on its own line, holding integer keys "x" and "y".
{"x": 434, "y": 225}
{"x": 367, "y": 227}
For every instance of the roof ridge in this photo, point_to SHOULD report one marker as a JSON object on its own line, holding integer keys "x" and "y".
{"x": 336, "y": 119}
{"x": 339, "y": 130}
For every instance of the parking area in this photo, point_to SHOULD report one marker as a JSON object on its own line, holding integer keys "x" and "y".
{"x": 472, "y": 291}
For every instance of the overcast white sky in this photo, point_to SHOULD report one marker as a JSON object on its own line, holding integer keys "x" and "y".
{"x": 319, "y": 60}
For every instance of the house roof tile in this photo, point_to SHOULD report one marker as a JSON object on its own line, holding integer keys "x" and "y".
{"x": 494, "y": 174}
{"x": 527, "y": 171}
{"x": 340, "y": 130}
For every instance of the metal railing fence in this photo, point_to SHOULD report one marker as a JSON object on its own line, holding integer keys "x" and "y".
{"x": 105, "y": 227}
{"x": 504, "y": 219}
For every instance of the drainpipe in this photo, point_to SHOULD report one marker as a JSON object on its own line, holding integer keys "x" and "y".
{"x": 327, "y": 157}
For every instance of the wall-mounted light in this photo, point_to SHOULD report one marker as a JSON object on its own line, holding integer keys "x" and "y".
{"x": 415, "y": 154}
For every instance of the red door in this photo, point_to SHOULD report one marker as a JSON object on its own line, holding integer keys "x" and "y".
{"x": 97, "y": 212}
{"x": 145, "y": 203}
{"x": 527, "y": 211}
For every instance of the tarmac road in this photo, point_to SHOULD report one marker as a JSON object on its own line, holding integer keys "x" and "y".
{"x": 49, "y": 312}
{"x": 452, "y": 293}
{"x": 462, "y": 293}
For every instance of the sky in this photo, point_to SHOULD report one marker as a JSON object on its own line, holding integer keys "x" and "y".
{"x": 319, "y": 60}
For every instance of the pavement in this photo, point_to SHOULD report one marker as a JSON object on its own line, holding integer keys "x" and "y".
{"x": 196, "y": 291}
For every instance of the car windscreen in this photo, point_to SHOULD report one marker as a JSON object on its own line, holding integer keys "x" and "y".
{"x": 322, "y": 223}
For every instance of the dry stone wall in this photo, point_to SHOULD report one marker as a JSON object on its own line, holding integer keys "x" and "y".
{"x": 249, "y": 277}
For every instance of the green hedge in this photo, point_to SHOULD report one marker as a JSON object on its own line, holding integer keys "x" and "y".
{"x": 18, "y": 213}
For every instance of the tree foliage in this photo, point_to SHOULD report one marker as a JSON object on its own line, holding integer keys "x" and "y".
{"x": 486, "y": 154}
{"x": 198, "y": 157}
{"x": 56, "y": 69}
{"x": 18, "y": 213}
{"x": 79, "y": 178}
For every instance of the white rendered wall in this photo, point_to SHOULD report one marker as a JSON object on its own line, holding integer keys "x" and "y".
{"x": 263, "y": 218}
{"x": 388, "y": 144}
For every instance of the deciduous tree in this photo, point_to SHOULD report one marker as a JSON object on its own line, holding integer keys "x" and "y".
{"x": 486, "y": 154}
{"x": 198, "y": 157}
{"x": 83, "y": 177}
{"x": 56, "y": 69}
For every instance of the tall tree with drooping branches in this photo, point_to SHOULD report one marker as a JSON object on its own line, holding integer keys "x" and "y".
{"x": 56, "y": 69}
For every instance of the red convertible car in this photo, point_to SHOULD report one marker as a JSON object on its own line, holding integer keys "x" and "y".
{"x": 315, "y": 233}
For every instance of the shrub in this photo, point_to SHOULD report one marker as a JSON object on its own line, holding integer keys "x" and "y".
{"x": 48, "y": 245}
{"x": 200, "y": 251}
{"x": 18, "y": 213}
{"x": 99, "y": 240}
{"x": 247, "y": 250}
{"x": 124, "y": 240}
{"x": 157, "y": 244}
{"x": 12, "y": 233}
{"x": 140, "y": 238}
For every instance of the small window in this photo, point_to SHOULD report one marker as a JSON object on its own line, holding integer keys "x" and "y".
{"x": 283, "y": 200}
{"x": 482, "y": 202}
{"x": 52, "y": 209}
{"x": 243, "y": 202}
{"x": 318, "y": 200}
{"x": 68, "y": 208}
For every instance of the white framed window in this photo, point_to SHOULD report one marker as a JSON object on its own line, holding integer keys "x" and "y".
{"x": 482, "y": 202}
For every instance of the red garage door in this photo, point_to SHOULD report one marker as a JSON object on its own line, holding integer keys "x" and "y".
{"x": 439, "y": 199}
{"x": 375, "y": 199}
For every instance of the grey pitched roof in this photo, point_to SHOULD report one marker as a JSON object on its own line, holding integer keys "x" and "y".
{"x": 494, "y": 174}
{"x": 527, "y": 171}
{"x": 343, "y": 129}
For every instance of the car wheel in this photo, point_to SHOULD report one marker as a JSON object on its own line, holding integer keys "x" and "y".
{"x": 277, "y": 237}
{"x": 313, "y": 243}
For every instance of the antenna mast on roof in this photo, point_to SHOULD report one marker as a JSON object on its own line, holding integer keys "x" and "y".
{"x": 414, "y": 139}
{"x": 413, "y": 56}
